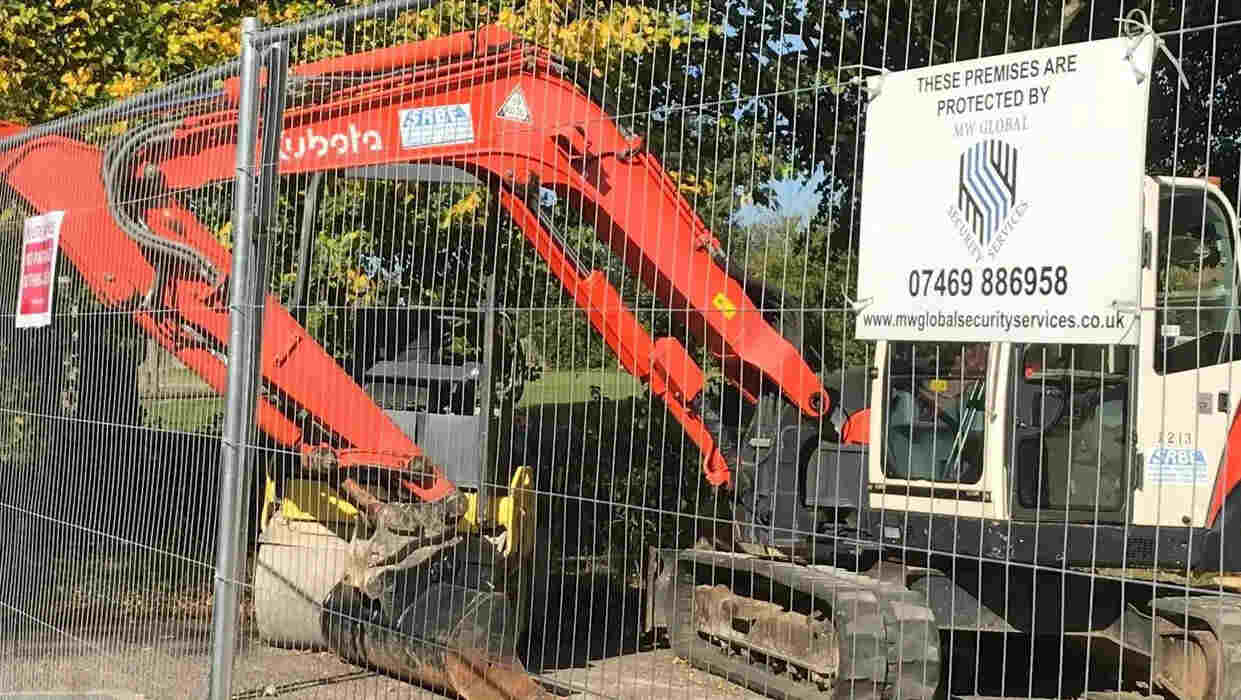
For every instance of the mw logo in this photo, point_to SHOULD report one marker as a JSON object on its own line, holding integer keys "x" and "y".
{"x": 987, "y": 187}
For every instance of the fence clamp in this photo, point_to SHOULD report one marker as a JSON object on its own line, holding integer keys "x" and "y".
{"x": 858, "y": 80}
{"x": 1126, "y": 307}
{"x": 855, "y": 304}
{"x": 1138, "y": 28}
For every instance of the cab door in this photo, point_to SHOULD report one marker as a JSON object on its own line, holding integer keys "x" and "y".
{"x": 1191, "y": 359}
{"x": 1071, "y": 432}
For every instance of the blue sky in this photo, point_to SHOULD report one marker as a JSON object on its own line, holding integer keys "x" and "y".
{"x": 796, "y": 198}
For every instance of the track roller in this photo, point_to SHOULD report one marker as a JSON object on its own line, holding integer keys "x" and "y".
{"x": 1202, "y": 659}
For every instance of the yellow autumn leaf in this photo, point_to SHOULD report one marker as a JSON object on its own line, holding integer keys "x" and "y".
{"x": 466, "y": 205}
{"x": 358, "y": 282}
{"x": 124, "y": 86}
{"x": 224, "y": 235}
{"x": 75, "y": 79}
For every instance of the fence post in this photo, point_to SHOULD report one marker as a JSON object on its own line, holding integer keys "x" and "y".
{"x": 245, "y": 321}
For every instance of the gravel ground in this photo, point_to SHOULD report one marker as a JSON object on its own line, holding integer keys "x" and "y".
{"x": 585, "y": 646}
{"x": 122, "y": 633}
{"x": 170, "y": 661}
{"x": 175, "y": 667}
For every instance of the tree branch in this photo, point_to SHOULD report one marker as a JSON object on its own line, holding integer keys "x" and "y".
{"x": 1068, "y": 13}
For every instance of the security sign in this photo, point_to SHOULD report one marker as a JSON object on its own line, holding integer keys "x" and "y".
{"x": 40, "y": 247}
{"x": 1001, "y": 197}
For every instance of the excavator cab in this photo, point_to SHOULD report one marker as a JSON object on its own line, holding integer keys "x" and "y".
{"x": 1037, "y": 487}
{"x": 1079, "y": 436}
{"x": 442, "y": 376}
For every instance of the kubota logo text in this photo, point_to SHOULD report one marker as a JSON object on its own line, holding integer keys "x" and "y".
{"x": 310, "y": 144}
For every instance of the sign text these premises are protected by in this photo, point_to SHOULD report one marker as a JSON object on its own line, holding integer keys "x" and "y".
{"x": 1001, "y": 198}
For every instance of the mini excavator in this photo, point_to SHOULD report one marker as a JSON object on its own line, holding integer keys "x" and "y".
{"x": 383, "y": 544}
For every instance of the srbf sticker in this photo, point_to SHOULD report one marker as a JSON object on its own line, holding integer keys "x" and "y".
{"x": 1184, "y": 466}
{"x": 443, "y": 125}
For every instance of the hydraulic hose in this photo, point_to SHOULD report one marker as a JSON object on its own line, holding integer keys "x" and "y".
{"x": 116, "y": 159}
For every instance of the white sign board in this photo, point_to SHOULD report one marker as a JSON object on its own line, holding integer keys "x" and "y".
{"x": 1001, "y": 198}
{"x": 35, "y": 289}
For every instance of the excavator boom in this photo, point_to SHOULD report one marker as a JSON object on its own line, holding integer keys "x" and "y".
{"x": 553, "y": 137}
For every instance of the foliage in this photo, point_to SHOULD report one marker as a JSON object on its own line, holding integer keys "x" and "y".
{"x": 66, "y": 55}
{"x": 603, "y": 37}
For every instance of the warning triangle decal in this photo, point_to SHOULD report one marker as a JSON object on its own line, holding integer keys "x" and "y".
{"x": 515, "y": 108}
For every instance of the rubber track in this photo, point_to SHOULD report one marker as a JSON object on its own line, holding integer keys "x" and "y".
{"x": 889, "y": 642}
{"x": 1223, "y": 616}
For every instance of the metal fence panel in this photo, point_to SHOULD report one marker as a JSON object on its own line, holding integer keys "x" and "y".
{"x": 560, "y": 387}
{"x": 111, "y": 402}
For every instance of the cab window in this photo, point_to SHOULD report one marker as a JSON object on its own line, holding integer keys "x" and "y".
{"x": 1070, "y": 408}
{"x": 1195, "y": 302}
{"x": 936, "y": 401}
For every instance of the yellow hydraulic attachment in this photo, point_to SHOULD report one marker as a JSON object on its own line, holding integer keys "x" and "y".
{"x": 513, "y": 512}
{"x": 309, "y": 500}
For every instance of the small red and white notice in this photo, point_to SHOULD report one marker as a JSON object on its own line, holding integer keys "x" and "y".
{"x": 40, "y": 245}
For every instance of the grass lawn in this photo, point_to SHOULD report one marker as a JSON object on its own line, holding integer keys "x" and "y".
{"x": 186, "y": 415}
{"x": 554, "y": 387}
{"x": 575, "y": 386}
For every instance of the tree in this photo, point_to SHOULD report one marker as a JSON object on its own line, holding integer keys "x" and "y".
{"x": 792, "y": 61}
{"x": 67, "y": 55}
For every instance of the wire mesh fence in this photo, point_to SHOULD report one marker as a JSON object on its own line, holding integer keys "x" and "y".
{"x": 111, "y": 438}
{"x": 528, "y": 350}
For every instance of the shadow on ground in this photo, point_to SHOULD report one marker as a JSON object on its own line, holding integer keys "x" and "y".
{"x": 577, "y": 619}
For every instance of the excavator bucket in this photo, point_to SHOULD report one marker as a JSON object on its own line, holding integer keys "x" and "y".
{"x": 450, "y": 636}
{"x": 426, "y": 624}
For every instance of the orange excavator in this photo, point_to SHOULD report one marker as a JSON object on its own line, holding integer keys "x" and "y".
{"x": 868, "y": 518}
{"x": 382, "y": 542}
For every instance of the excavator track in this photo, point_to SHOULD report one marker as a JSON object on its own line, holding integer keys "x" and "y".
{"x": 797, "y": 632}
{"x": 1202, "y": 660}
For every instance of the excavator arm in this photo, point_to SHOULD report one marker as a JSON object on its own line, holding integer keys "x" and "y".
{"x": 502, "y": 110}
{"x": 137, "y": 245}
